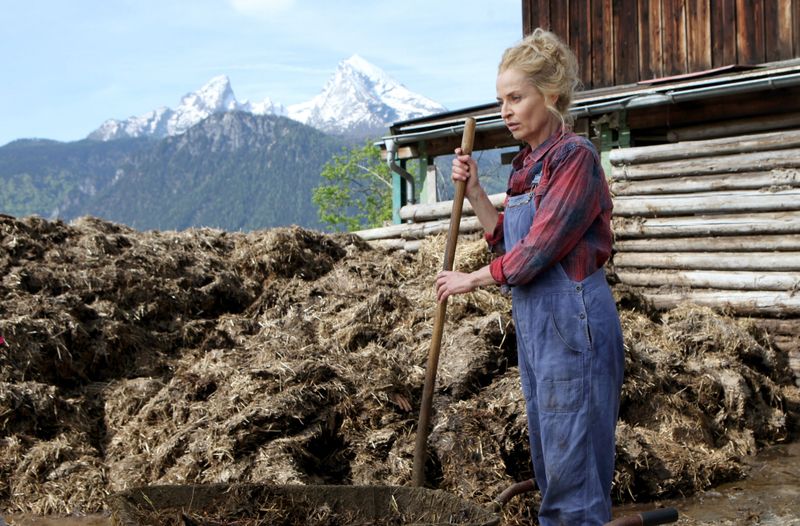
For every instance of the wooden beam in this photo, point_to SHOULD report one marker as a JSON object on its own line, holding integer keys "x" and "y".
{"x": 732, "y": 127}
{"x": 745, "y": 162}
{"x": 715, "y": 109}
{"x": 714, "y": 225}
{"x": 710, "y": 279}
{"x": 428, "y": 212}
{"x": 742, "y": 181}
{"x": 753, "y": 303}
{"x": 769, "y": 261}
{"x": 785, "y": 242}
{"x": 417, "y": 230}
{"x": 655, "y": 205}
{"x": 707, "y": 148}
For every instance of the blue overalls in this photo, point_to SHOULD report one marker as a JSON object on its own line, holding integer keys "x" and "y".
{"x": 571, "y": 362}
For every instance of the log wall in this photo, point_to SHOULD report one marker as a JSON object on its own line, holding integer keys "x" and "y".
{"x": 715, "y": 222}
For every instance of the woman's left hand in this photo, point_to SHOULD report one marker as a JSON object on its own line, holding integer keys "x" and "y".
{"x": 449, "y": 282}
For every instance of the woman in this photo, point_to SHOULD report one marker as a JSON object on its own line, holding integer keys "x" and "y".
{"x": 552, "y": 241}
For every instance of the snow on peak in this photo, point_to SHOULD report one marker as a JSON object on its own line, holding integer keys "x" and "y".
{"x": 360, "y": 99}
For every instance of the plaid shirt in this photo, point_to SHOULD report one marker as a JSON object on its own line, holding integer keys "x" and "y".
{"x": 573, "y": 212}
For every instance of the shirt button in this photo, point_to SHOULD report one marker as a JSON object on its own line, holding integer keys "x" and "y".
{"x": 582, "y": 316}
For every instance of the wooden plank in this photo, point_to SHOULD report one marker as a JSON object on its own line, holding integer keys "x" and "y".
{"x": 428, "y": 212}
{"x": 731, "y": 202}
{"x": 769, "y": 261}
{"x": 741, "y": 181}
{"x": 759, "y": 303}
{"x": 757, "y": 142}
{"x": 711, "y": 279}
{"x": 541, "y": 15}
{"x": 716, "y": 225}
{"x": 698, "y": 30}
{"x": 795, "y": 28}
{"x": 650, "y": 44}
{"x": 527, "y": 17}
{"x": 626, "y": 50}
{"x": 580, "y": 37}
{"x": 674, "y": 19}
{"x": 559, "y": 19}
{"x": 778, "y": 34}
{"x": 723, "y": 32}
{"x": 417, "y": 230}
{"x": 603, "y": 43}
{"x": 735, "y": 163}
{"x": 783, "y": 243}
{"x": 732, "y": 127}
{"x": 750, "y": 31}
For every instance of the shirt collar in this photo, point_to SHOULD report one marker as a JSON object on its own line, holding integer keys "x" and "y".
{"x": 529, "y": 155}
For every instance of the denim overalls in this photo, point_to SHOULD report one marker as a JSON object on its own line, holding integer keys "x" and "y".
{"x": 571, "y": 363}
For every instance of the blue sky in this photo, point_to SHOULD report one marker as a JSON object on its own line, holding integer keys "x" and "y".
{"x": 69, "y": 65}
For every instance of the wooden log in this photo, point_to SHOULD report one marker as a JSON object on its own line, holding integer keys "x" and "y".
{"x": 417, "y": 230}
{"x": 743, "y": 162}
{"x": 772, "y": 261}
{"x": 710, "y": 279}
{"x": 677, "y": 185}
{"x": 397, "y": 244}
{"x": 751, "y": 303}
{"x": 430, "y": 212}
{"x": 707, "y": 203}
{"x": 788, "y": 242}
{"x": 717, "y": 225}
{"x": 781, "y": 327}
{"x": 711, "y": 147}
{"x": 735, "y": 127}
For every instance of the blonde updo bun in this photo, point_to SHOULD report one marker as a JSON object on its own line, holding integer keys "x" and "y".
{"x": 550, "y": 65}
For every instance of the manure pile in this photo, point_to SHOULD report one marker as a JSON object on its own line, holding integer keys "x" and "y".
{"x": 292, "y": 357}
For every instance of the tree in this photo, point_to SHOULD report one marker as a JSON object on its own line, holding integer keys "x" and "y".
{"x": 356, "y": 191}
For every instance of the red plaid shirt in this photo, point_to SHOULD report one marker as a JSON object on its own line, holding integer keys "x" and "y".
{"x": 573, "y": 212}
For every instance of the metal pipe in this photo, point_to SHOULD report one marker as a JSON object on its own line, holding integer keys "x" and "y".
{"x": 391, "y": 160}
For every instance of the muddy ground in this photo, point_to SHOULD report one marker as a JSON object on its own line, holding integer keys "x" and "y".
{"x": 291, "y": 357}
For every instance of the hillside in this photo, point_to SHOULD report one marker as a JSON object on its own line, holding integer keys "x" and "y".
{"x": 234, "y": 171}
{"x": 288, "y": 356}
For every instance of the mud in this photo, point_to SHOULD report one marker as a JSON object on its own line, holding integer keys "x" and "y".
{"x": 292, "y": 357}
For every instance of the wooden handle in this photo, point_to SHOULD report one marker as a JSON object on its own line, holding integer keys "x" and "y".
{"x": 420, "y": 451}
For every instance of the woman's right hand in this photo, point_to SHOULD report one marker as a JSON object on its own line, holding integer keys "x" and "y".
{"x": 465, "y": 169}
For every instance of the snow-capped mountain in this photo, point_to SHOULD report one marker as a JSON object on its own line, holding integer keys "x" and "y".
{"x": 216, "y": 96}
{"x": 360, "y": 99}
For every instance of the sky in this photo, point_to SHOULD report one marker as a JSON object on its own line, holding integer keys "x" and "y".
{"x": 67, "y": 66}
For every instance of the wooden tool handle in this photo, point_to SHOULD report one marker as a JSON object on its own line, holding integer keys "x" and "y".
{"x": 420, "y": 451}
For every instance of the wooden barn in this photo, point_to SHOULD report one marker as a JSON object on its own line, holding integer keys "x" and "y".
{"x": 695, "y": 107}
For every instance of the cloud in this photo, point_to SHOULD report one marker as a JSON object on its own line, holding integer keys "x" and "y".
{"x": 261, "y": 7}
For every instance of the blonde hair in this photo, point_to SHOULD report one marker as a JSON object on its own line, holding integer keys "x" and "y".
{"x": 549, "y": 65}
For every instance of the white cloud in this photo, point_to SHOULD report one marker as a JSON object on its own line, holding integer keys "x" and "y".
{"x": 261, "y": 7}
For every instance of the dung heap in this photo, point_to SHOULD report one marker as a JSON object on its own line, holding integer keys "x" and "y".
{"x": 288, "y": 356}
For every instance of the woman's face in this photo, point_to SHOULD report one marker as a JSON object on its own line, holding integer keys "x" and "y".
{"x": 522, "y": 107}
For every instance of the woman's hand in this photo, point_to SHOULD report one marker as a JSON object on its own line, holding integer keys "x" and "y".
{"x": 449, "y": 282}
{"x": 465, "y": 169}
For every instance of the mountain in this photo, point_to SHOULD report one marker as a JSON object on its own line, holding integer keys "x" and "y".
{"x": 215, "y": 97}
{"x": 360, "y": 100}
{"x": 233, "y": 170}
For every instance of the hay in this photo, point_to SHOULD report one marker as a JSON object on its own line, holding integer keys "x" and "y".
{"x": 288, "y": 356}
